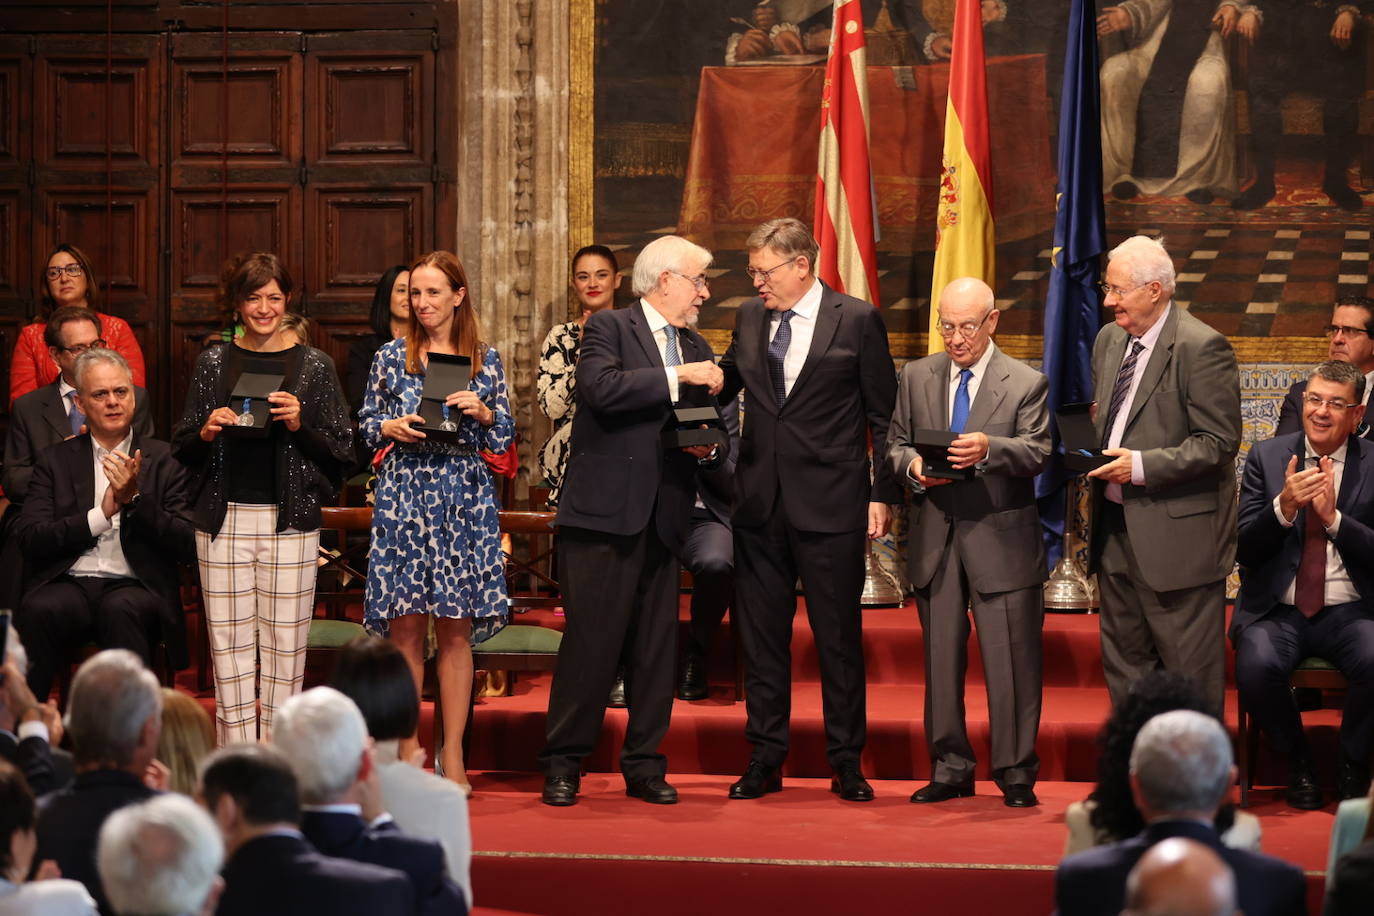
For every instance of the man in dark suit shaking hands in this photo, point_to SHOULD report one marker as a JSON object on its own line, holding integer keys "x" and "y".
{"x": 976, "y": 543}
{"x": 1164, "y": 510}
{"x": 623, "y": 515}
{"x": 817, "y": 379}
{"x": 1306, "y": 549}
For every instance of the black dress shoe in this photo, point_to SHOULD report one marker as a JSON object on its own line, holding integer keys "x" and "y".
{"x": 617, "y": 698}
{"x": 1354, "y": 779}
{"x": 1303, "y": 791}
{"x": 653, "y": 789}
{"x": 1019, "y": 796}
{"x": 939, "y": 792}
{"x": 848, "y": 783}
{"x": 692, "y": 686}
{"x": 758, "y": 780}
{"x": 560, "y": 791}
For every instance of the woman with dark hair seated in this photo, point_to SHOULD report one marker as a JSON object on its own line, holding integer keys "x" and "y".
{"x": 45, "y": 896}
{"x": 1109, "y": 813}
{"x": 373, "y": 673}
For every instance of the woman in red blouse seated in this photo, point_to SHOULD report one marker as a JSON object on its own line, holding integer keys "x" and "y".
{"x": 67, "y": 279}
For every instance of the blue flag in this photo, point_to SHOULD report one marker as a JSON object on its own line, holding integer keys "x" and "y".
{"x": 1073, "y": 306}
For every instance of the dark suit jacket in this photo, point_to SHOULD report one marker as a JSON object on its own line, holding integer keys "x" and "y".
{"x": 280, "y": 875}
{"x": 618, "y": 470}
{"x": 1350, "y": 888}
{"x": 1093, "y": 882}
{"x": 1290, "y": 414}
{"x": 155, "y": 532}
{"x": 994, "y": 518}
{"x": 45, "y": 768}
{"x": 1269, "y": 553}
{"x": 813, "y": 451}
{"x": 69, "y": 823}
{"x": 1185, "y": 422}
{"x": 38, "y": 420}
{"x": 345, "y": 836}
{"x": 716, "y": 484}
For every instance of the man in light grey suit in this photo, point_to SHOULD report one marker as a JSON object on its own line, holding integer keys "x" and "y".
{"x": 1164, "y": 510}
{"x": 976, "y": 542}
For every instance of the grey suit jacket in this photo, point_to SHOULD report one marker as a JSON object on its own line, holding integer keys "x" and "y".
{"x": 1185, "y": 421}
{"x": 996, "y": 525}
{"x": 38, "y": 420}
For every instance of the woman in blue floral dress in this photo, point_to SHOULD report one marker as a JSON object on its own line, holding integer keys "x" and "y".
{"x": 436, "y": 539}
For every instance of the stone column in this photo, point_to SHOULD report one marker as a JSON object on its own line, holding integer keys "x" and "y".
{"x": 512, "y": 99}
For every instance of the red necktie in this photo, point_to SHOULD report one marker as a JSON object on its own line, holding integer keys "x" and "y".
{"x": 1309, "y": 590}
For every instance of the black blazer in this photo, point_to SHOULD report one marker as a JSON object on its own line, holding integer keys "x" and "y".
{"x": 1093, "y": 882}
{"x": 281, "y": 875}
{"x": 619, "y": 472}
{"x": 69, "y": 823}
{"x": 814, "y": 450}
{"x": 346, "y": 836}
{"x": 1290, "y": 414}
{"x": 39, "y": 420}
{"x": 155, "y": 532}
{"x": 1269, "y": 553}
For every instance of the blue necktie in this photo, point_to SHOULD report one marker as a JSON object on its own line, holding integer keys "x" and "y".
{"x": 74, "y": 414}
{"x": 959, "y": 415}
{"x": 670, "y": 355}
{"x": 777, "y": 354}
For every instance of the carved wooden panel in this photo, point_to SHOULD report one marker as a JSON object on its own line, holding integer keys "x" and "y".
{"x": 13, "y": 99}
{"x": 79, "y": 108}
{"x": 204, "y": 225}
{"x": 354, "y": 234}
{"x": 122, "y": 241}
{"x": 263, "y": 95}
{"x": 17, "y": 274}
{"x": 187, "y": 339}
{"x": 335, "y": 337}
{"x": 372, "y": 108}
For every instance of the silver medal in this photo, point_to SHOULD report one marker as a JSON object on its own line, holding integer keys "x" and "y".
{"x": 245, "y": 419}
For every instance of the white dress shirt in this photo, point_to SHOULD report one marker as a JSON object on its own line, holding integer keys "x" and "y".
{"x": 106, "y": 559}
{"x": 1339, "y": 589}
{"x": 1148, "y": 340}
{"x": 657, "y": 323}
{"x": 803, "y": 326}
{"x": 54, "y": 897}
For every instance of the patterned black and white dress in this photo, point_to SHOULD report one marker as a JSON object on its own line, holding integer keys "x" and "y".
{"x": 436, "y": 536}
{"x": 556, "y": 389}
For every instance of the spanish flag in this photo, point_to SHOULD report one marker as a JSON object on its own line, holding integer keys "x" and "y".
{"x": 963, "y": 227}
{"x": 846, "y": 224}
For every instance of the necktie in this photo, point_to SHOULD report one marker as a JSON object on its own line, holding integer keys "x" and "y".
{"x": 1309, "y": 589}
{"x": 670, "y": 355}
{"x": 74, "y": 414}
{"x": 777, "y": 353}
{"x": 1122, "y": 387}
{"x": 959, "y": 415}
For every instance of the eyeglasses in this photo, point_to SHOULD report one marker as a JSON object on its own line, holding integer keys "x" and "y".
{"x": 1109, "y": 290}
{"x": 1335, "y": 405}
{"x": 78, "y": 349}
{"x": 1333, "y": 329}
{"x": 967, "y": 328}
{"x": 699, "y": 281}
{"x": 71, "y": 270}
{"x": 756, "y": 274}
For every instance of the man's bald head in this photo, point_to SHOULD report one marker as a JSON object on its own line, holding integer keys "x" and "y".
{"x": 1180, "y": 877}
{"x": 967, "y": 319}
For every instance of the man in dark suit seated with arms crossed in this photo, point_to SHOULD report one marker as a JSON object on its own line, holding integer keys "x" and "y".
{"x": 1181, "y": 771}
{"x": 250, "y": 791}
{"x": 1164, "y": 511}
{"x": 624, "y": 512}
{"x": 104, "y": 523}
{"x": 1349, "y": 333}
{"x": 817, "y": 379}
{"x": 976, "y": 541}
{"x": 1306, "y": 549}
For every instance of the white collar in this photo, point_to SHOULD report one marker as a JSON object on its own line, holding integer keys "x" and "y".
{"x": 807, "y": 306}
{"x": 978, "y": 368}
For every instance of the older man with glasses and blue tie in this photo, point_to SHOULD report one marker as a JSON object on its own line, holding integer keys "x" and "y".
{"x": 975, "y": 541}
{"x": 817, "y": 380}
{"x": 1167, "y": 395}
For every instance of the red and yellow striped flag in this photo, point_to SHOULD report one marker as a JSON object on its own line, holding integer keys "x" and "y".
{"x": 846, "y": 225}
{"x": 964, "y": 227}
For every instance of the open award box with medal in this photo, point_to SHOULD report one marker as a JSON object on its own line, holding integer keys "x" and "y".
{"x": 258, "y": 377}
{"x": 444, "y": 375}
